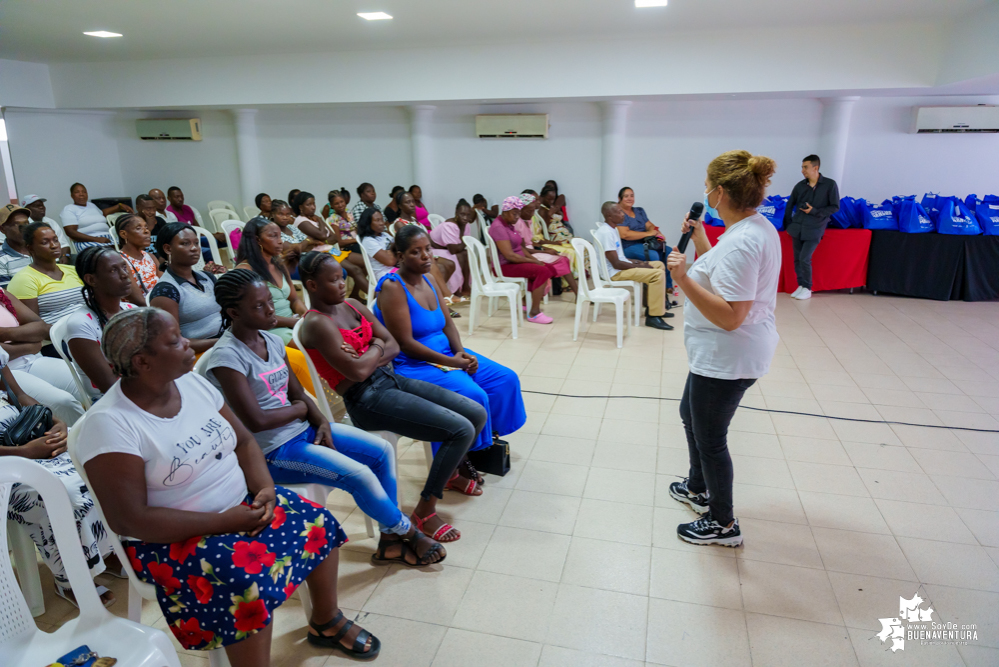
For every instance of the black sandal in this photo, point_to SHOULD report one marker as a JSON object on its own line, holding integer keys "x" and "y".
{"x": 378, "y": 558}
{"x": 356, "y": 651}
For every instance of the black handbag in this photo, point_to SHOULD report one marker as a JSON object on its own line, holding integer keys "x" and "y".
{"x": 494, "y": 459}
{"x": 31, "y": 422}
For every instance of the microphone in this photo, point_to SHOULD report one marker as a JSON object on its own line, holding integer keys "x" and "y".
{"x": 696, "y": 211}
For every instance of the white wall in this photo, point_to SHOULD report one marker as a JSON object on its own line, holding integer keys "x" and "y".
{"x": 24, "y": 84}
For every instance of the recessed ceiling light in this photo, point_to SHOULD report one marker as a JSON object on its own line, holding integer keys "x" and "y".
{"x": 374, "y": 16}
{"x": 102, "y": 33}
{"x": 651, "y": 3}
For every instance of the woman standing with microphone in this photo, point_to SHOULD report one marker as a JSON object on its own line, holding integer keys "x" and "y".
{"x": 729, "y": 332}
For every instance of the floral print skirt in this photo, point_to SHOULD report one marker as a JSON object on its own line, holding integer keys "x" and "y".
{"x": 217, "y": 590}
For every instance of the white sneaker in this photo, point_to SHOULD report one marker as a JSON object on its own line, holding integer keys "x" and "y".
{"x": 805, "y": 293}
{"x": 795, "y": 293}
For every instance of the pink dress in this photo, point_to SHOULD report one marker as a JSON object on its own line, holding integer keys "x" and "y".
{"x": 448, "y": 233}
{"x": 561, "y": 264}
{"x": 421, "y": 216}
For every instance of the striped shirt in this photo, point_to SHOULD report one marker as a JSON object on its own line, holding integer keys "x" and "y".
{"x": 11, "y": 261}
{"x": 56, "y": 298}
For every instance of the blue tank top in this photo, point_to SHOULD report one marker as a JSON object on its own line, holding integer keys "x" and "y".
{"x": 428, "y": 325}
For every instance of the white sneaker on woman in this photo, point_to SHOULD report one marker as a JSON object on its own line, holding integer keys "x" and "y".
{"x": 795, "y": 293}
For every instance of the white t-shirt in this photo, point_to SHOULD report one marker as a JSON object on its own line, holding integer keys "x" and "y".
{"x": 610, "y": 240}
{"x": 83, "y": 323}
{"x": 88, "y": 219}
{"x": 190, "y": 458}
{"x": 743, "y": 266}
{"x": 373, "y": 244}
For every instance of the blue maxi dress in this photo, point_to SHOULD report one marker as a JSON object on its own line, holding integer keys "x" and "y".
{"x": 494, "y": 386}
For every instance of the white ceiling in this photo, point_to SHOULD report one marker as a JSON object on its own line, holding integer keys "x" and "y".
{"x": 51, "y": 31}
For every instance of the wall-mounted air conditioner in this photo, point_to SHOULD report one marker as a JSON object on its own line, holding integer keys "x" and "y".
{"x": 169, "y": 129}
{"x": 982, "y": 118}
{"x": 516, "y": 126}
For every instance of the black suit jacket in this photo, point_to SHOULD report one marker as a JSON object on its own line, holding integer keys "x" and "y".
{"x": 824, "y": 199}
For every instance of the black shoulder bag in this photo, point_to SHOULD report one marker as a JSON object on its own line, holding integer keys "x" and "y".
{"x": 32, "y": 422}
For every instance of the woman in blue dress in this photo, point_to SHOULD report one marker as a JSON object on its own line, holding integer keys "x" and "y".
{"x": 409, "y": 305}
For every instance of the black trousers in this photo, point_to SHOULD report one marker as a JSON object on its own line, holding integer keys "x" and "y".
{"x": 707, "y": 408}
{"x": 803, "y": 251}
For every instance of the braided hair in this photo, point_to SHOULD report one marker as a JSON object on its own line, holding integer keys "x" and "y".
{"x": 124, "y": 220}
{"x": 300, "y": 198}
{"x": 230, "y": 288}
{"x": 127, "y": 334}
{"x": 311, "y": 263}
{"x": 86, "y": 264}
{"x": 249, "y": 250}
{"x": 277, "y": 205}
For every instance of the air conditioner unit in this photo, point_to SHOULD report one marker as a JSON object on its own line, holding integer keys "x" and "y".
{"x": 517, "y": 126}
{"x": 981, "y": 118}
{"x": 169, "y": 129}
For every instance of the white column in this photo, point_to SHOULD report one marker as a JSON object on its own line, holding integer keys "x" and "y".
{"x": 834, "y": 136}
{"x": 248, "y": 154}
{"x": 614, "y": 150}
{"x": 421, "y": 117}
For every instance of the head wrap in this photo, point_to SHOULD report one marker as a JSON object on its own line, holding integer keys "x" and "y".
{"x": 511, "y": 203}
{"x": 526, "y": 199}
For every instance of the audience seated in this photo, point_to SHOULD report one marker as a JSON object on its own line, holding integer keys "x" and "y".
{"x": 106, "y": 282}
{"x": 342, "y": 222}
{"x": 353, "y": 352}
{"x": 36, "y": 208}
{"x": 133, "y": 239}
{"x": 249, "y": 366}
{"x": 292, "y": 194}
{"x": 490, "y": 213}
{"x": 84, "y": 223}
{"x": 558, "y": 205}
{"x": 50, "y": 289}
{"x": 293, "y": 242}
{"x": 391, "y": 211}
{"x": 28, "y": 509}
{"x": 259, "y": 251}
{"x": 263, "y": 204}
{"x": 180, "y": 475}
{"x": 376, "y": 241}
{"x": 561, "y": 260}
{"x": 446, "y": 242}
{"x": 366, "y": 192}
{"x": 430, "y": 349}
{"x": 442, "y": 268}
{"x": 45, "y": 379}
{"x": 619, "y": 267}
{"x": 13, "y": 253}
{"x": 188, "y": 215}
{"x": 549, "y": 214}
{"x": 145, "y": 208}
{"x": 327, "y": 236}
{"x": 161, "y": 205}
{"x": 419, "y": 209}
{"x": 516, "y": 261}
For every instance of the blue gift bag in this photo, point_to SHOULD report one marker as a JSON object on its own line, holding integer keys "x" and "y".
{"x": 896, "y": 203}
{"x": 912, "y": 217}
{"x": 880, "y": 216}
{"x": 773, "y": 209}
{"x": 955, "y": 218}
{"x": 971, "y": 202}
{"x": 987, "y": 215}
{"x": 856, "y": 212}
{"x": 843, "y": 218}
{"x": 931, "y": 204}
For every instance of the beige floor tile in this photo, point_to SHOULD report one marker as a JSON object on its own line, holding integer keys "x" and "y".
{"x": 547, "y": 369}
{"x": 509, "y": 606}
{"x": 949, "y": 564}
{"x": 538, "y": 402}
{"x": 642, "y": 410}
{"x": 670, "y": 461}
{"x": 358, "y": 578}
{"x": 881, "y": 457}
{"x": 699, "y": 578}
{"x": 864, "y": 432}
{"x": 618, "y": 456}
{"x": 951, "y": 402}
{"x": 535, "y": 422}
{"x": 906, "y": 486}
{"x": 762, "y": 472}
{"x": 862, "y": 600}
{"x": 918, "y": 417}
{"x": 971, "y": 493}
{"x": 872, "y": 653}
{"x": 571, "y": 426}
{"x": 773, "y": 542}
{"x": 489, "y": 650}
{"x": 785, "y": 590}
{"x": 752, "y": 421}
{"x": 559, "y": 478}
{"x": 556, "y": 656}
{"x": 629, "y": 431}
{"x": 487, "y": 508}
{"x": 420, "y": 595}
{"x": 664, "y": 523}
{"x": 761, "y": 445}
{"x": 764, "y": 502}
{"x": 967, "y": 419}
{"x": 583, "y": 407}
{"x": 467, "y": 551}
{"x": 862, "y": 553}
{"x": 593, "y": 620}
{"x": 826, "y": 510}
{"x": 983, "y": 524}
{"x": 821, "y": 478}
{"x": 777, "y": 388}
{"x": 525, "y": 553}
{"x": 879, "y": 382}
{"x": 697, "y": 635}
{"x": 404, "y": 643}
{"x": 784, "y": 641}
{"x": 929, "y": 438}
{"x": 809, "y": 427}
{"x": 829, "y": 392}
{"x": 964, "y": 606}
{"x": 558, "y": 449}
{"x": 808, "y": 406}
{"x": 979, "y": 443}
{"x": 622, "y": 486}
{"x": 540, "y": 511}
{"x": 616, "y": 522}
{"x": 813, "y": 450}
{"x": 612, "y": 566}
{"x": 979, "y": 656}
{"x": 931, "y": 522}
{"x": 958, "y": 464}
{"x": 850, "y": 410}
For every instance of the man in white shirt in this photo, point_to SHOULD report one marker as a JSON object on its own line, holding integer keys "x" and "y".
{"x": 161, "y": 205}
{"x": 36, "y": 208}
{"x": 652, "y": 274}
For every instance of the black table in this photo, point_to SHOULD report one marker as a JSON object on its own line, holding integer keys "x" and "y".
{"x": 934, "y": 266}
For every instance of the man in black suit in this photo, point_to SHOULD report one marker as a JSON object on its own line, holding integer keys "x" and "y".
{"x": 813, "y": 201}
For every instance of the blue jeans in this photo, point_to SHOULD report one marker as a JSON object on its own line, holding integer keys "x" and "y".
{"x": 637, "y": 252}
{"x": 362, "y": 464}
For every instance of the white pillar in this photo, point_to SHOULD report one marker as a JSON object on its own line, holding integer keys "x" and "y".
{"x": 248, "y": 154}
{"x": 614, "y": 149}
{"x": 421, "y": 117}
{"x": 834, "y": 136}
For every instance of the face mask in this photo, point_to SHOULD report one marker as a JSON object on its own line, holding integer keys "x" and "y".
{"x": 708, "y": 209}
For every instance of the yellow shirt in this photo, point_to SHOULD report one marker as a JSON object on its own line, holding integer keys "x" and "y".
{"x": 56, "y": 298}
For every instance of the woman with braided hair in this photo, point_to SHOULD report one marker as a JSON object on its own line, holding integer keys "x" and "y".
{"x": 106, "y": 282}
{"x": 250, "y": 367}
{"x": 133, "y": 239}
{"x": 178, "y": 474}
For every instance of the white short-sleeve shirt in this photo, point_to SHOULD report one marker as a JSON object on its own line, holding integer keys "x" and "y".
{"x": 373, "y": 244}
{"x": 190, "y": 458}
{"x": 84, "y": 323}
{"x": 743, "y": 266}
{"x": 610, "y": 240}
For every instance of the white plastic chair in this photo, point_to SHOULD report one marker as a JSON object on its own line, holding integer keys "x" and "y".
{"x": 57, "y": 334}
{"x": 21, "y": 642}
{"x": 26, "y": 563}
{"x": 112, "y": 235}
{"x": 221, "y": 204}
{"x": 635, "y": 286}
{"x": 485, "y": 285}
{"x": 197, "y": 216}
{"x": 372, "y": 282}
{"x": 250, "y": 212}
{"x": 500, "y": 278}
{"x": 435, "y": 220}
{"x": 228, "y": 227}
{"x": 213, "y": 247}
{"x": 220, "y": 215}
{"x": 483, "y": 228}
{"x": 599, "y": 293}
{"x": 113, "y": 217}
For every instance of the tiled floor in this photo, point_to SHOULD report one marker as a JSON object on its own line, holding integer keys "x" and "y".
{"x": 572, "y": 559}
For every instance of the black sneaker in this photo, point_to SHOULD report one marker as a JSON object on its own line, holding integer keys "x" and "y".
{"x": 697, "y": 501}
{"x": 658, "y": 323}
{"x": 708, "y": 531}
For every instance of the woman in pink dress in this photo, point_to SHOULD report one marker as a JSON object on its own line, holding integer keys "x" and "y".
{"x": 446, "y": 241}
{"x": 562, "y": 265}
{"x": 421, "y": 211}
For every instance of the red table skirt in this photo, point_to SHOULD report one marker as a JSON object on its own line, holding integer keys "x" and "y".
{"x": 840, "y": 261}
